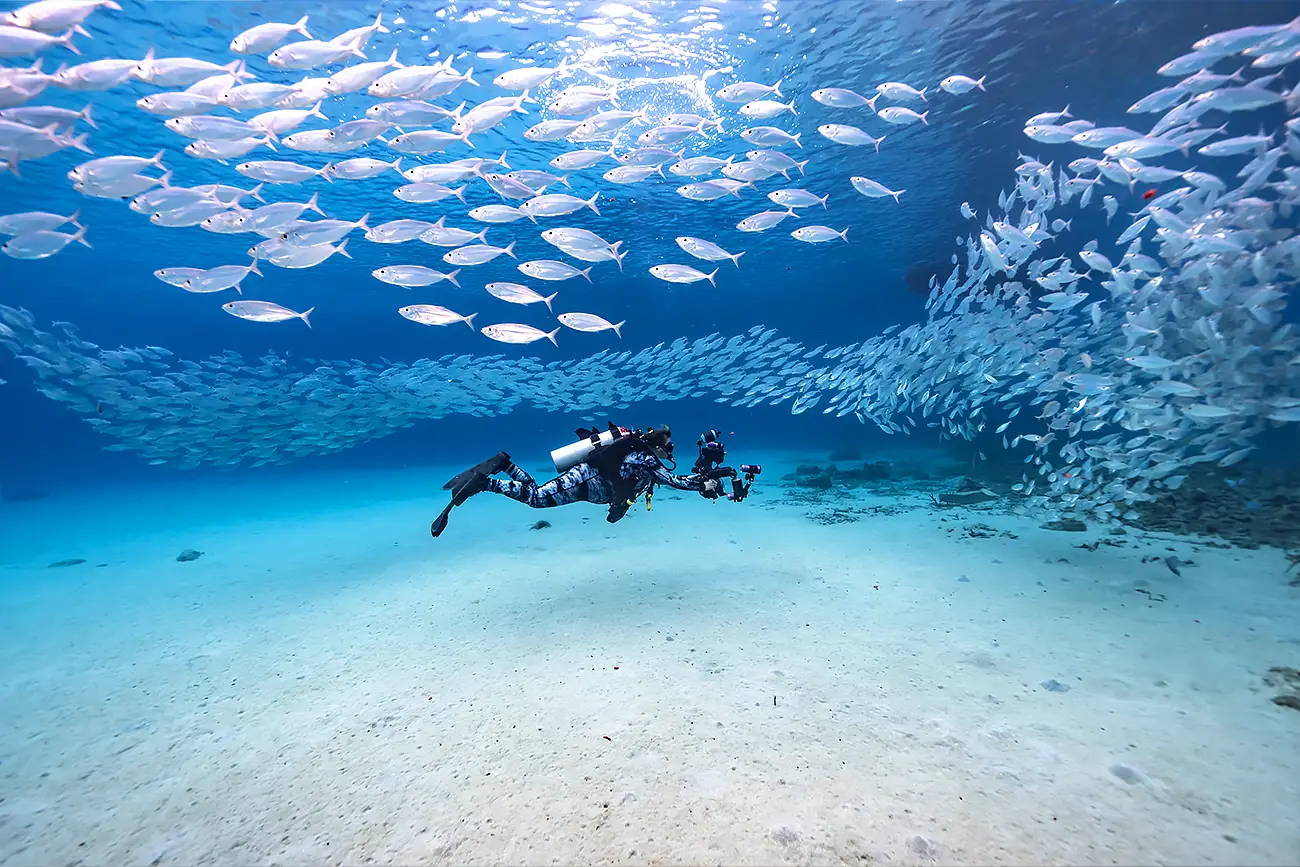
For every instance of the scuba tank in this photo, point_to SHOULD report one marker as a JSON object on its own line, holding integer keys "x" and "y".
{"x": 567, "y": 457}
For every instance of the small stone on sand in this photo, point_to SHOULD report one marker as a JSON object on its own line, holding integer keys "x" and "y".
{"x": 1127, "y": 774}
{"x": 187, "y": 555}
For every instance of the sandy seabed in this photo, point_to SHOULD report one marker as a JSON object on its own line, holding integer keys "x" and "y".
{"x": 708, "y": 683}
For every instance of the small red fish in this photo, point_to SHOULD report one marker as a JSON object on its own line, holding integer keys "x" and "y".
{"x": 1149, "y": 194}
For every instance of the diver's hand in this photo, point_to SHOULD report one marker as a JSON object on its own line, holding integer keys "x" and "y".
{"x": 712, "y": 487}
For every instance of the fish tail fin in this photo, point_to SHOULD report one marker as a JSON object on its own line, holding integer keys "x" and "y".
{"x": 80, "y": 237}
{"x": 301, "y": 27}
{"x": 922, "y": 116}
{"x": 735, "y": 259}
{"x": 361, "y": 224}
{"x": 845, "y": 235}
{"x": 711, "y": 276}
{"x": 896, "y": 194}
{"x": 156, "y": 159}
{"x": 455, "y": 112}
{"x": 73, "y": 218}
{"x": 551, "y": 336}
{"x": 452, "y": 278}
{"x": 342, "y": 249}
{"x": 586, "y": 273}
{"x": 563, "y": 67}
{"x": 316, "y": 112}
{"x": 979, "y": 82}
{"x": 305, "y": 314}
{"x": 510, "y": 250}
{"x": 564, "y": 179}
{"x": 85, "y": 115}
{"x": 1066, "y": 111}
{"x": 379, "y": 23}
{"x": 397, "y": 165}
{"x": 465, "y": 138}
{"x": 796, "y": 140}
{"x": 469, "y": 320}
{"x": 591, "y": 203}
{"x": 253, "y": 268}
{"x": 66, "y": 41}
{"x": 549, "y": 298}
{"x": 166, "y": 179}
{"x": 800, "y": 166}
{"x": 502, "y": 161}
{"x": 871, "y": 103}
{"x": 79, "y": 142}
{"x": 824, "y": 198}
{"x": 468, "y": 77}
{"x": 314, "y": 205}
{"x": 267, "y": 141}
{"x": 922, "y": 93}
{"x": 790, "y": 106}
{"x": 617, "y": 258}
{"x": 459, "y": 193}
{"x": 618, "y": 328}
{"x": 776, "y": 88}
{"x": 394, "y": 62}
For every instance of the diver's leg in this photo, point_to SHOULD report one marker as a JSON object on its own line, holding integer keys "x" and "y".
{"x": 570, "y": 487}
{"x": 518, "y": 474}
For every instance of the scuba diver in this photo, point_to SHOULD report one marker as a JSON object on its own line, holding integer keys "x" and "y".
{"x": 611, "y": 467}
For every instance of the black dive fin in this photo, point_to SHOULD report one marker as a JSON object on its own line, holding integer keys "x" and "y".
{"x": 440, "y": 523}
{"x": 583, "y": 433}
{"x": 494, "y": 464}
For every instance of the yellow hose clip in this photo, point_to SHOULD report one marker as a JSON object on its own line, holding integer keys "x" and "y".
{"x": 649, "y": 495}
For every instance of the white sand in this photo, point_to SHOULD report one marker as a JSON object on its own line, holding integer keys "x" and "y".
{"x": 329, "y": 684}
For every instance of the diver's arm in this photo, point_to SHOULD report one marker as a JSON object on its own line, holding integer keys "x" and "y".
{"x": 652, "y": 465}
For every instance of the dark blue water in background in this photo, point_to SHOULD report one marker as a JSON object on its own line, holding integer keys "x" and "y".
{"x": 1097, "y": 57}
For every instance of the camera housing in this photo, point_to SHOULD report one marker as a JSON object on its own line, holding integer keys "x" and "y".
{"x": 708, "y": 464}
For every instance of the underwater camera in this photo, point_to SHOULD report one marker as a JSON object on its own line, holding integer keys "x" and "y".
{"x": 708, "y": 464}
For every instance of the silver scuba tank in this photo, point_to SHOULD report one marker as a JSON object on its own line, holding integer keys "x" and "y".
{"x": 566, "y": 457}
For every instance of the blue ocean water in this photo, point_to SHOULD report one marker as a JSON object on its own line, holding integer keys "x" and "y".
{"x": 1095, "y": 57}
{"x": 668, "y": 57}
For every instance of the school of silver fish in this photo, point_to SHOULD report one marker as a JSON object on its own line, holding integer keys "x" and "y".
{"x": 1142, "y": 354}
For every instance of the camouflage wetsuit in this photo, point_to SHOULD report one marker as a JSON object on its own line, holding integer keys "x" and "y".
{"x": 583, "y": 483}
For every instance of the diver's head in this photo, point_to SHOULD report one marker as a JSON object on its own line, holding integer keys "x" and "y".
{"x": 660, "y": 439}
{"x": 660, "y": 435}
